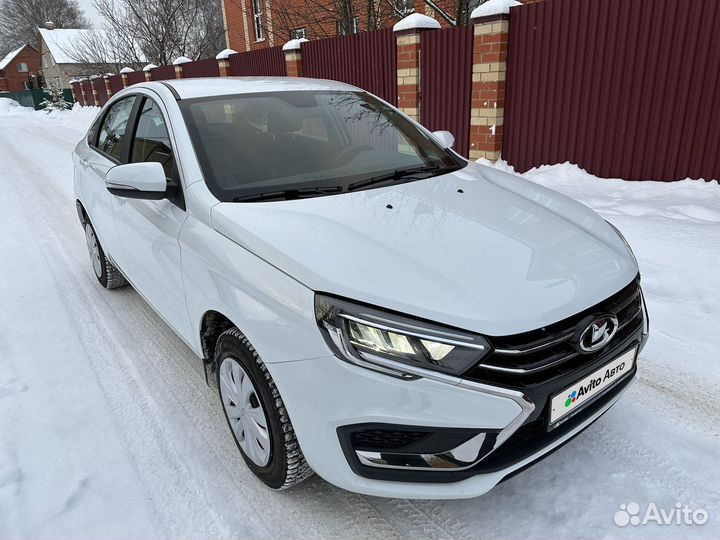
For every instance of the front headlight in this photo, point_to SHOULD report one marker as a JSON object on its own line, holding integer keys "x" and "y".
{"x": 395, "y": 344}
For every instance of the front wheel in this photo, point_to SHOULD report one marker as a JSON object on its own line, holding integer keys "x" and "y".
{"x": 106, "y": 273}
{"x": 256, "y": 414}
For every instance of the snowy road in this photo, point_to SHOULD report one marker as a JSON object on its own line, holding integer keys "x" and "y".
{"x": 107, "y": 429}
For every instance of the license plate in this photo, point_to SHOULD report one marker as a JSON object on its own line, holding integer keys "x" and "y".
{"x": 583, "y": 391}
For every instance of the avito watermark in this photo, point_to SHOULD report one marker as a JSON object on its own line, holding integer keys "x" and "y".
{"x": 680, "y": 514}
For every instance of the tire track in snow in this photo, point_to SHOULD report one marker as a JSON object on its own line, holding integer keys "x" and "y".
{"x": 132, "y": 404}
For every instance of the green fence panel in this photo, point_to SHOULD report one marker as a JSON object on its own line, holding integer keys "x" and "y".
{"x": 33, "y": 98}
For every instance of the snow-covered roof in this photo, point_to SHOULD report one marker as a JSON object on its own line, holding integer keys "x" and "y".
{"x": 493, "y": 7}
{"x": 9, "y": 56}
{"x": 416, "y": 20}
{"x": 63, "y": 42}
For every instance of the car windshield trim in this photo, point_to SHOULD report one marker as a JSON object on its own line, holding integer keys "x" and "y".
{"x": 364, "y": 144}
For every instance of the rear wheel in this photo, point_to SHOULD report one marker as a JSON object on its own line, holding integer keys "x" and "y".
{"x": 107, "y": 274}
{"x": 256, "y": 414}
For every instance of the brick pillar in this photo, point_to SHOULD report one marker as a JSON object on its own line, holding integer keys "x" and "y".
{"x": 293, "y": 57}
{"x": 178, "y": 62}
{"x": 93, "y": 82}
{"x": 223, "y": 60}
{"x": 72, "y": 90}
{"x": 148, "y": 73}
{"x": 407, "y": 41}
{"x": 124, "y": 76}
{"x": 488, "y": 86}
{"x": 108, "y": 88}
{"x": 82, "y": 92}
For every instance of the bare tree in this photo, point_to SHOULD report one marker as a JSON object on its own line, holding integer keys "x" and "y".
{"x": 323, "y": 18}
{"x": 20, "y": 20}
{"x": 158, "y": 31}
{"x": 327, "y": 18}
{"x": 457, "y": 12}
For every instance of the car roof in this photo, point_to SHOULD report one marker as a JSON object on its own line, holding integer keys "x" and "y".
{"x": 221, "y": 86}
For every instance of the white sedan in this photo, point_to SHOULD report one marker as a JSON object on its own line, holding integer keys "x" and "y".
{"x": 371, "y": 306}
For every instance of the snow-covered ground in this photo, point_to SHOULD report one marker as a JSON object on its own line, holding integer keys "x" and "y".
{"x": 108, "y": 431}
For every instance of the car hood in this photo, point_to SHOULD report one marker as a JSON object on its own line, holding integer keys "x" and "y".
{"x": 477, "y": 249}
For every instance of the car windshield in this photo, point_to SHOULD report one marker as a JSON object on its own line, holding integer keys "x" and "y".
{"x": 287, "y": 145}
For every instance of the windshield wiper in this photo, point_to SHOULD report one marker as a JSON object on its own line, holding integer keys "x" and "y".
{"x": 399, "y": 174}
{"x": 288, "y": 194}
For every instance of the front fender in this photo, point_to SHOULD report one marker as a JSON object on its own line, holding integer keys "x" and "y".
{"x": 274, "y": 311}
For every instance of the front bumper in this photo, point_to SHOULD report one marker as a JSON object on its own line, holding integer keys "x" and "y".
{"x": 325, "y": 395}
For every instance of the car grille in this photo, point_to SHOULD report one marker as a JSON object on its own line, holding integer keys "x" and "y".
{"x": 385, "y": 439}
{"x": 539, "y": 356}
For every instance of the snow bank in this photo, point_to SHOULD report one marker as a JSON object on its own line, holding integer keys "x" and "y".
{"x": 11, "y": 107}
{"x": 493, "y": 7}
{"x": 77, "y": 119}
{"x": 694, "y": 200}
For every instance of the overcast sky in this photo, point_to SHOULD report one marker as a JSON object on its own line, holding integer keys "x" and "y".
{"x": 90, "y": 12}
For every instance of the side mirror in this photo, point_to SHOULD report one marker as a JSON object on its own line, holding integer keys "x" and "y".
{"x": 445, "y": 138}
{"x": 137, "y": 181}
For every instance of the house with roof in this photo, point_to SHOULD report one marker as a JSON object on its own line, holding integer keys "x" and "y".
{"x": 16, "y": 68}
{"x": 59, "y": 52}
{"x": 73, "y": 53}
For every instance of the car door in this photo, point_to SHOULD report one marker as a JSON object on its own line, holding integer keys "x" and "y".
{"x": 148, "y": 230}
{"x": 107, "y": 144}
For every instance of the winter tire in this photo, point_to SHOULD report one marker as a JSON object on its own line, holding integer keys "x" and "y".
{"x": 256, "y": 414}
{"x": 106, "y": 273}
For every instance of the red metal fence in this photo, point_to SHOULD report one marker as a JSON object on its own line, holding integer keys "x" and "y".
{"x": 101, "y": 91}
{"x": 367, "y": 60}
{"x": 624, "y": 89}
{"x": 77, "y": 93}
{"x": 116, "y": 83}
{"x": 163, "y": 73}
{"x": 446, "y": 83}
{"x": 136, "y": 77}
{"x": 263, "y": 62}
{"x": 201, "y": 68}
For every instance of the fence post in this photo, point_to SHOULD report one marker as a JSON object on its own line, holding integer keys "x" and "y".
{"x": 108, "y": 88}
{"x": 223, "y": 60}
{"x": 148, "y": 73}
{"x": 96, "y": 97}
{"x": 293, "y": 57}
{"x": 178, "y": 62}
{"x": 490, "y": 45}
{"x": 124, "y": 75}
{"x": 73, "y": 82}
{"x": 407, "y": 40}
{"x": 82, "y": 91}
